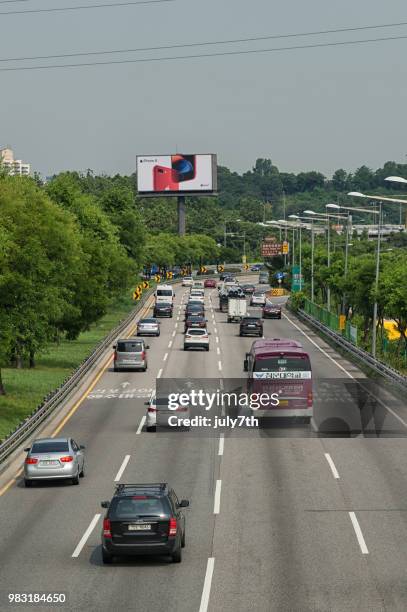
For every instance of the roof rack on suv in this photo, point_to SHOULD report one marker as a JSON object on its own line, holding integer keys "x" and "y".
{"x": 157, "y": 487}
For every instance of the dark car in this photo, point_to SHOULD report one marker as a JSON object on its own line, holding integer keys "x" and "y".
{"x": 162, "y": 309}
{"x": 194, "y": 320}
{"x": 250, "y": 326}
{"x": 192, "y": 308}
{"x": 248, "y": 289}
{"x": 143, "y": 519}
{"x": 271, "y": 311}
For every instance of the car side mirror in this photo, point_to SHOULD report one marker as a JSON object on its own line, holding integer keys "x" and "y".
{"x": 105, "y": 504}
{"x": 246, "y": 365}
{"x": 82, "y": 447}
{"x": 147, "y": 346}
{"x": 114, "y": 346}
{"x": 27, "y": 450}
{"x": 146, "y": 403}
{"x": 184, "y": 503}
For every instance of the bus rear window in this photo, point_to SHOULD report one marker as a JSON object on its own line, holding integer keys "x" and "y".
{"x": 164, "y": 292}
{"x": 283, "y": 364}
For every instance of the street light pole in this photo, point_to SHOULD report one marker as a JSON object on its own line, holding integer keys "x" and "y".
{"x": 329, "y": 263}
{"x": 312, "y": 260}
{"x": 374, "y": 330}
{"x": 300, "y": 258}
{"x": 293, "y": 258}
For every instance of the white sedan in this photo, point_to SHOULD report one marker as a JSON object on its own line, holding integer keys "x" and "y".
{"x": 196, "y": 337}
{"x": 258, "y": 298}
{"x": 187, "y": 281}
{"x": 158, "y": 413}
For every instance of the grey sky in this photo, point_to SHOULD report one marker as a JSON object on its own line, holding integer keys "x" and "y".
{"x": 310, "y": 109}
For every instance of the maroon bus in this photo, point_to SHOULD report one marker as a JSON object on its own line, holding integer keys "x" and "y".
{"x": 281, "y": 366}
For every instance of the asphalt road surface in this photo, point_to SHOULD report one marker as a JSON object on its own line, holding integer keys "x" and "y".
{"x": 281, "y": 518}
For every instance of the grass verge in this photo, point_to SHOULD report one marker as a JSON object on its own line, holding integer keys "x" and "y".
{"x": 26, "y": 388}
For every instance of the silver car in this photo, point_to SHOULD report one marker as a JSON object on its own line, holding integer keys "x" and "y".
{"x": 130, "y": 354}
{"x": 54, "y": 458}
{"x": 148, "y": 327}
{"x": 158, "y": 413}
{"x": 196, "y": 337}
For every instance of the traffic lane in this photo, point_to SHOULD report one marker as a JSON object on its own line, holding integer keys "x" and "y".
{"x": 283, "y": 538}
{"x": 373, "y": 476}
{"x": 191, "y": 466}
{"x": 105, "y": 427}
{"x": 161, "y": 454}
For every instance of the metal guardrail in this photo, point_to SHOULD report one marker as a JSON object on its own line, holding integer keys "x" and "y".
{"x": 367, "y": 359}
{"x": 54, "y": 399}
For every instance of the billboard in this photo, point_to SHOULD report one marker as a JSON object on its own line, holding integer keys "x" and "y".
{"x": 176, "y": 174}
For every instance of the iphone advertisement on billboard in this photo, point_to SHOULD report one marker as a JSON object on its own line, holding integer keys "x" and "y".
{"x": 176, "y": 174}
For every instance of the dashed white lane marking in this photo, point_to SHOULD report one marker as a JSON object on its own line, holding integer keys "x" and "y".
{"x": 215, "y": 330}
{"x": 220, "y": 366}
{"x": 141, "y": 425}
{"x": 221, "y": 444}
{"x": 217, "y": 339}
{"x": 173, "y": 333}
{"x": 176, "y": 325}
{"x": 332, "y": 465}
{"x": 170, "y": 344}
{"x": 85, "y": 536}
{"x": 216, "y": 505}
{"x": 165, "y": 357}
{"x": 160, "y": 371}
{"x": 207, "y": 585}
{"x": 359, "y": 533}
{"x": 122, "y": 468}
{"x": 218, "y": 350}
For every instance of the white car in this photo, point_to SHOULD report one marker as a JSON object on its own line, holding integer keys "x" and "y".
{"x": 196, "y": 337}
{"x": 158, "y": 413}
{"x": 258, "y": 298}
{"x": 197, "y": 295}
{"x": 187, "y": 281}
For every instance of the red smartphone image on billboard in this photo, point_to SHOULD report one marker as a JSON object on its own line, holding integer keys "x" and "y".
{"x": 165, "y": 179}
{"x": 184, "y": 166}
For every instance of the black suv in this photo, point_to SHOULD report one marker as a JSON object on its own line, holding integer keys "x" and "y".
{"x": 251, "y": 325}
{"x": 143, "y": 519}
{"x": 162, "y": 309}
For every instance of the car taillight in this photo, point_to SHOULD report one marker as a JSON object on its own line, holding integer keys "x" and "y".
{"x": 106, "y": 528}
{"x": 309, "y": 399}
{"x": 115, "y": 356}
{"x": 181, "y": 409}
{"x": 172, "y": 528}
{"x": 152, "y": 409}
{"x": 31, "y": 460}
{"x": 66, "y": 459}
{"x": 143, "y": 354}
{"x": 204, "y": 336}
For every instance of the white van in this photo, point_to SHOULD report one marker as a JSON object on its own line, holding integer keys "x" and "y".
{"x": 164, "y": 293}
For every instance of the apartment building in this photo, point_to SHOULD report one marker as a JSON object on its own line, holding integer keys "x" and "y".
{"x": 15, "y": 167}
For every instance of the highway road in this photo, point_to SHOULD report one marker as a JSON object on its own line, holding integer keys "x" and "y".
{"x": 282, "y": 518}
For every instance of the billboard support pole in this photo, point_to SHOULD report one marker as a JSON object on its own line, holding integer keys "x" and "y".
{"x": 181, "y": 215}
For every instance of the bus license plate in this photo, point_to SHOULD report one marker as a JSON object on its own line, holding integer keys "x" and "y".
{"x": 283, "y": 403}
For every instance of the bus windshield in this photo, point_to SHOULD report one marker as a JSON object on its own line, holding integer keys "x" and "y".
{"x": 283, "y": 363}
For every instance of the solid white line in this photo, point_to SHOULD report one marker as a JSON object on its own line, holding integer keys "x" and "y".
{"x": 218, "y": 350}
{"x": 216, "y": 505}
{"x": 85, "y": 536}
{"x": 170, "y": 344}
{"x": 141, "y": 425}
{"x": 160, "y": 371}
{"x": 122, "y": 468}
{"x": 220, "y": 365}
{"x": 217, "y": 339}
{"x": 359, "y": 533}
{"x": 207, "y": 585}
{"x": 317, "y": 346}
{"x": 173, "y": 333}
{"x": 221, "y": 444}
{"x": 165, "y": 357}
{"x": 332, "y": 465}
{"x": 396, "y": 416}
